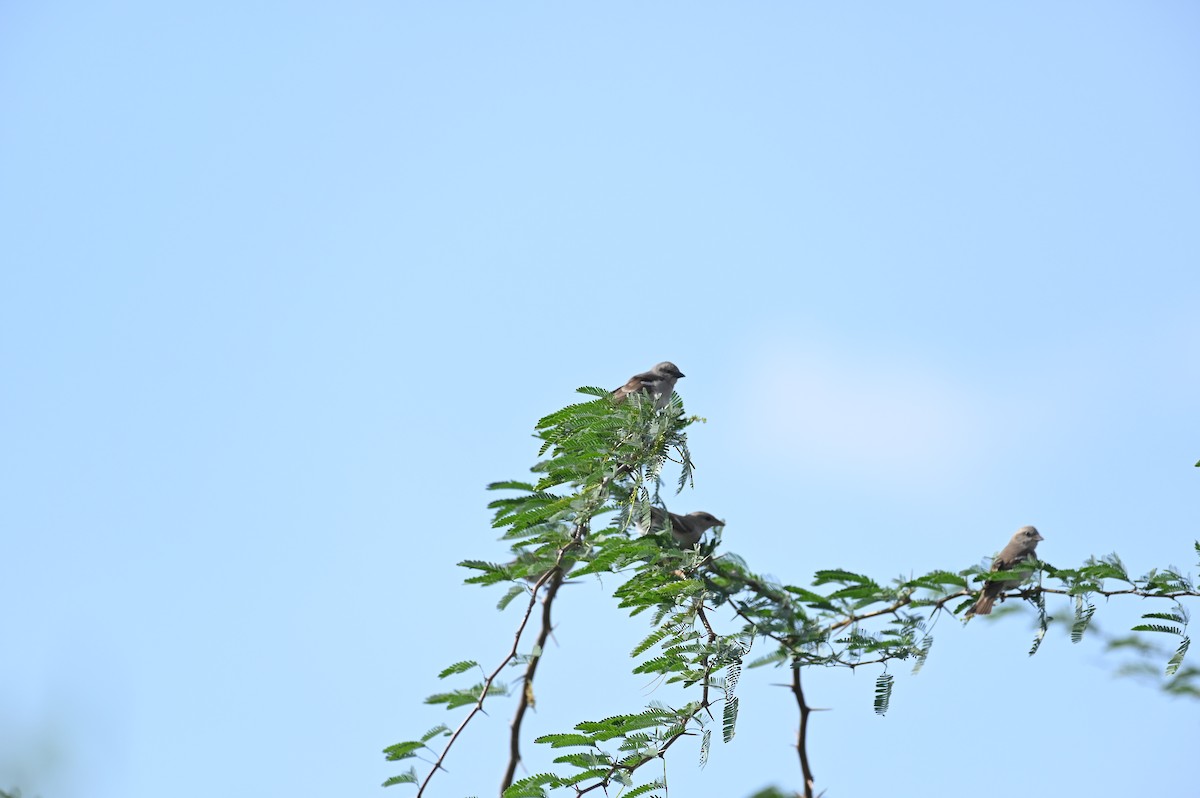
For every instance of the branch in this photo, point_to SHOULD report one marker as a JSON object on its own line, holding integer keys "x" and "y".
{"x": 530, "y": 670}
{"x": 712, "y": 636}
{"x": 487, "y": 684}
{"x": 802, "y": 737}
{"x": 1133, "y": 591}
{"x": 895, "y": 607}
{"x": 556, "y": 574}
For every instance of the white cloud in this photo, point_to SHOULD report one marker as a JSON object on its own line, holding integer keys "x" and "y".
{"x": 911, "y": 419}
{"x": 824, "y": 409}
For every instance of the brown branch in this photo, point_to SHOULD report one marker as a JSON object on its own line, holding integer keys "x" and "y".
{"x": 514, "y": 757}
{"x": 1133, "y": 591}
{"x": 850, "y": 620}
{"x": 802, "y": 736}
{"x": 896, "y": 606}
{"x": 556, "y": 576}
{"x": 712, "y": 636}
{"x": 491, "y": 678}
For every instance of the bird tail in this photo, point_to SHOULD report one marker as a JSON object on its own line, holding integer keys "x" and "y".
{"x": 983, "y": 606}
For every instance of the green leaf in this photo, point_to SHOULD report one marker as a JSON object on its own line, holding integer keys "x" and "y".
{"x": 465, "y": 696}
{"x": 1083, "y": 616}
{"x": 922, "y": 654}
{"x": 776, "y": 657}
{"x": 492, "y": 572}
{"x": 595, "y": 773}
{"x": 844, "y": 577}
{"x": 729, "y": 718}
{"x": 1157, "y": 627}
{"x": 507, "y": 598}
{"x": 809, "y": 597}
{"x": 403, "y": 750}
{"x": 536, "y": 515}
{"x": 660, "y": 665}
{"x": 458, "y": 667}
{"x": 936, "y": 580}
{"x": 1174, "y": 617}
{"x": 1037, "y": 640}
{"x": 565, "y": 740}
{"x": 509, "y": 485}
{"x": 404, "y": 778}
{"x": 434, "y": 732}
{"x": 669, "y": 593}
{"x": 575, "y": 412}
{"x": 857, "y": 592}
{"x": 1177, "y": 659}
{"x": 532, "y": 786}
{"x": 643, "y": 789}
{"x": 883, "y": 693}
{"x": 1103, "y": 570}
{"x": 621, "y": 725}
{"x": 650, "y": 641}
{"x": 585, "y": 759}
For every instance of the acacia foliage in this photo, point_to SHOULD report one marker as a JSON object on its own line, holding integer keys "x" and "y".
{"x": 586, "y": 510}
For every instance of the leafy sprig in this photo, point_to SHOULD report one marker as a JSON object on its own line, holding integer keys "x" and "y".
{"x": 588, "y": 512}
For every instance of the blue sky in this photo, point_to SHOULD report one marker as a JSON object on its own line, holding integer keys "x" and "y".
{"x": 284, "y": 286}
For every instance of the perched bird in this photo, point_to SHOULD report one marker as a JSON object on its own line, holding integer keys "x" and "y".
{"x": 686, "y": 529}
{"x": 657, "y": 382}
{"x": 1018, "y": 550}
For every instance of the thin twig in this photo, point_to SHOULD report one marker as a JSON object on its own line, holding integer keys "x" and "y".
{"x": 896, "y": 606}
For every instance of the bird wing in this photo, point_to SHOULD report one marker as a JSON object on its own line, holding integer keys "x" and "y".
{"x": 635, "y": 384}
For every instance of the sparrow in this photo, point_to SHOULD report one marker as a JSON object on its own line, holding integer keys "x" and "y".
{"x": 685, "y": 529}
{"x": 1018, "y": 550}
{"x": 657, "y": 382}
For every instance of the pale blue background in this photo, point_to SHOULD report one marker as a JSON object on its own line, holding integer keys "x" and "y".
{"x": 286, "y": 284}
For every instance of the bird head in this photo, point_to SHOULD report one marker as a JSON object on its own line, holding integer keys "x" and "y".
{"x": 668, "y": 369}
{"x": 1028, "y": 536}
{"x": 702, "y": 521}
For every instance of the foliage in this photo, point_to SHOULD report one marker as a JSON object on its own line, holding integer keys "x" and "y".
{"x": 588, "y": 511}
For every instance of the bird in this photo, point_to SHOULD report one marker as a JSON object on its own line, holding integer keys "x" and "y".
{"x": 657, "y": 382}
{"x": 685, "y": 529}
{"x": 1019, "y": 549}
